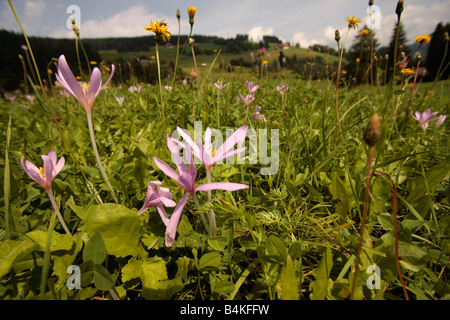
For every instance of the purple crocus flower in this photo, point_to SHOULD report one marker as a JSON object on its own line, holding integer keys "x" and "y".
{"x": 220, "y": 86}
{"x": 66, "y": 78}
{"x": 248, "y": 99}
{"x": 251, "y": 88}
{"x": 283, "y": 88}
{"x": 440, "y": 120}
{"x": 206, "y": 152}
{"x": 158, "y": 197}
{"x": 44, "y": 176}
{"x": 257, "y": 115}
{"x": 424, "y": 118}
{"x": 187, "y": 179}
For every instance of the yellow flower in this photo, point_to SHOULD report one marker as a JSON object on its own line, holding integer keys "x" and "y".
{"x": 93, "y": 62}
{"x": 358, "y": 60}
{"x": 353, "y": 22}
{"x": 160, "y": 29}
{"x": 423, "y": 39}
{"x": 407, "y": 71}
{"x": 49, "y": 71}
{"x": 265, "y": 62}
{"x": 344, "y": 72}
{"x": 364, "y": 32}
{"x": 191, "y": 12}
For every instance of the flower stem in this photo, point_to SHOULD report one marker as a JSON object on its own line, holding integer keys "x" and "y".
{"x": 202, "y": 216}
{"x": 46, "y": 263}
{"x": 211, "y": 217}
{"x": 58, "y": 214}
{"x": 97, "y": 157}
{"x": 160, "y": 91}
{"x": 364, "y": 219}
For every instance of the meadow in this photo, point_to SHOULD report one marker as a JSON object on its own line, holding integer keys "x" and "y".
{"x": 355, "y": 204}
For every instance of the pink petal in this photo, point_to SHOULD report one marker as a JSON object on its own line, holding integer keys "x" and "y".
{"x": 166, "y": 169}
{"x": 188, "y": 139}
{"x": 174, "y": 219}
{"x": 236, "y": 137}
{"x": 228, "y": 186}
{"x": 113, "y": 69}
{"x": 94, "y": 87}
{"x": 68, "y": 81}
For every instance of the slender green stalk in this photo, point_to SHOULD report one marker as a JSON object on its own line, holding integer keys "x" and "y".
{"x": 46, "y": 264}
{"x": 202, "y": 216}
{"x": 160, "y": 91}
{"x": 97, "y": 156}
{"x": 338, "y": 122}
{"x": 178, "y": 54}
{"x": 211, "y": 218}
{"x": 7, "y": 182}
{"x": 370, "y": 157}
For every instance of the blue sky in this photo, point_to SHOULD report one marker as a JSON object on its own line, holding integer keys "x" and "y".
{"x": 296, "y": 21}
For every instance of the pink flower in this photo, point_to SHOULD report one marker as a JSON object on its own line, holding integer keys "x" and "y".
{"x": 220, "y": 86}
{"x": 66, "y": 78}
{"x": 248, "y": 99}
{"x": 187, "y": 179}
{"x": 251, "y": 88}
{"x": 120, "y": 100}
{"x": 440, "y": 120}
{"x": 283, "y": 88}
{"x": 158, "y": 196}
{"x": 206, "y": 152}
{"x": 425, "y": 117}
{"x": 44, "y": 176}
{"x": 257, "y": 115}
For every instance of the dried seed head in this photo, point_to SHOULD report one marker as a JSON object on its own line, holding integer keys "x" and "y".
{"x": 373, "y": 131}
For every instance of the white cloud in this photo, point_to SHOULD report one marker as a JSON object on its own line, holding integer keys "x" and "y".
{"x": 302, "y": 40}
{"x": 127, "y": 23}
{"x": 257, "y": 33}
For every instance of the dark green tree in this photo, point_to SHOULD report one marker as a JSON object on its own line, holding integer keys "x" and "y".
{"x": 358, "y": 58}
{"x": 436, "y": 51}
{"x": 401, "y": 47}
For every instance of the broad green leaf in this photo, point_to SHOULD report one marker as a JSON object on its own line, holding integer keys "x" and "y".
{"x": 59, "y": 241}
{"x": 289, "y": 281}
{"x": 218, "y": 243}
{"x": 151, "y": 271}
{"x": 276, "y": 248}
{"x": 102, "y": 279}
{"x": 12, "y": 249}
{"x": 319, "y": 287}
{"x": 95, "y": 249}
{"x": 209, "y": 261}
{"x": 434, "y": 176}
{"x": 120, "y": 228}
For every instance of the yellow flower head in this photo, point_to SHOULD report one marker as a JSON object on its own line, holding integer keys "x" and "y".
{"x": 265, "y": 62}
{"x": 407, "y": 71}
{"x": 364, "y": 32}
{"x": 353, "y": 22}
{"x": 423, "y": 39}
{"x": 358, "y": 60}
{"x": 191, "y": 13}
{"x": 160, "y": 29}
{"x": 93, "y": 62}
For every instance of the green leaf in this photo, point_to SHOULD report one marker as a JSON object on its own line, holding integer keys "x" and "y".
{"x": 209, "y": 261}
{"x": 102, "y": 279}
{"x": 218, "y": 243}
{"x": 120, "y": 228}
{"x": 434, "y": 176}
{"x": 289, "y": 281}
{"x": 276, "y": 248}
{"x": 95, "y": 249}
{"x": 10, "y": 250}
{"x": 59, "y": 241}
{"x": 320, "y": 285}
{"x": 151, "y": 271}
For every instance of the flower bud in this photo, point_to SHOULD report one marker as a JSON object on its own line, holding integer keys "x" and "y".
{"x": 370, "y": 2}
{"x": 373, "y": 131}
{"x": 399, "y": 8}
{"x": 337, "y": 35}
{"x": 191, "y": 12}
{"x": 418, "y": 56}
{"x": 178, "y": 14}
{"x": 446, "y": 36}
